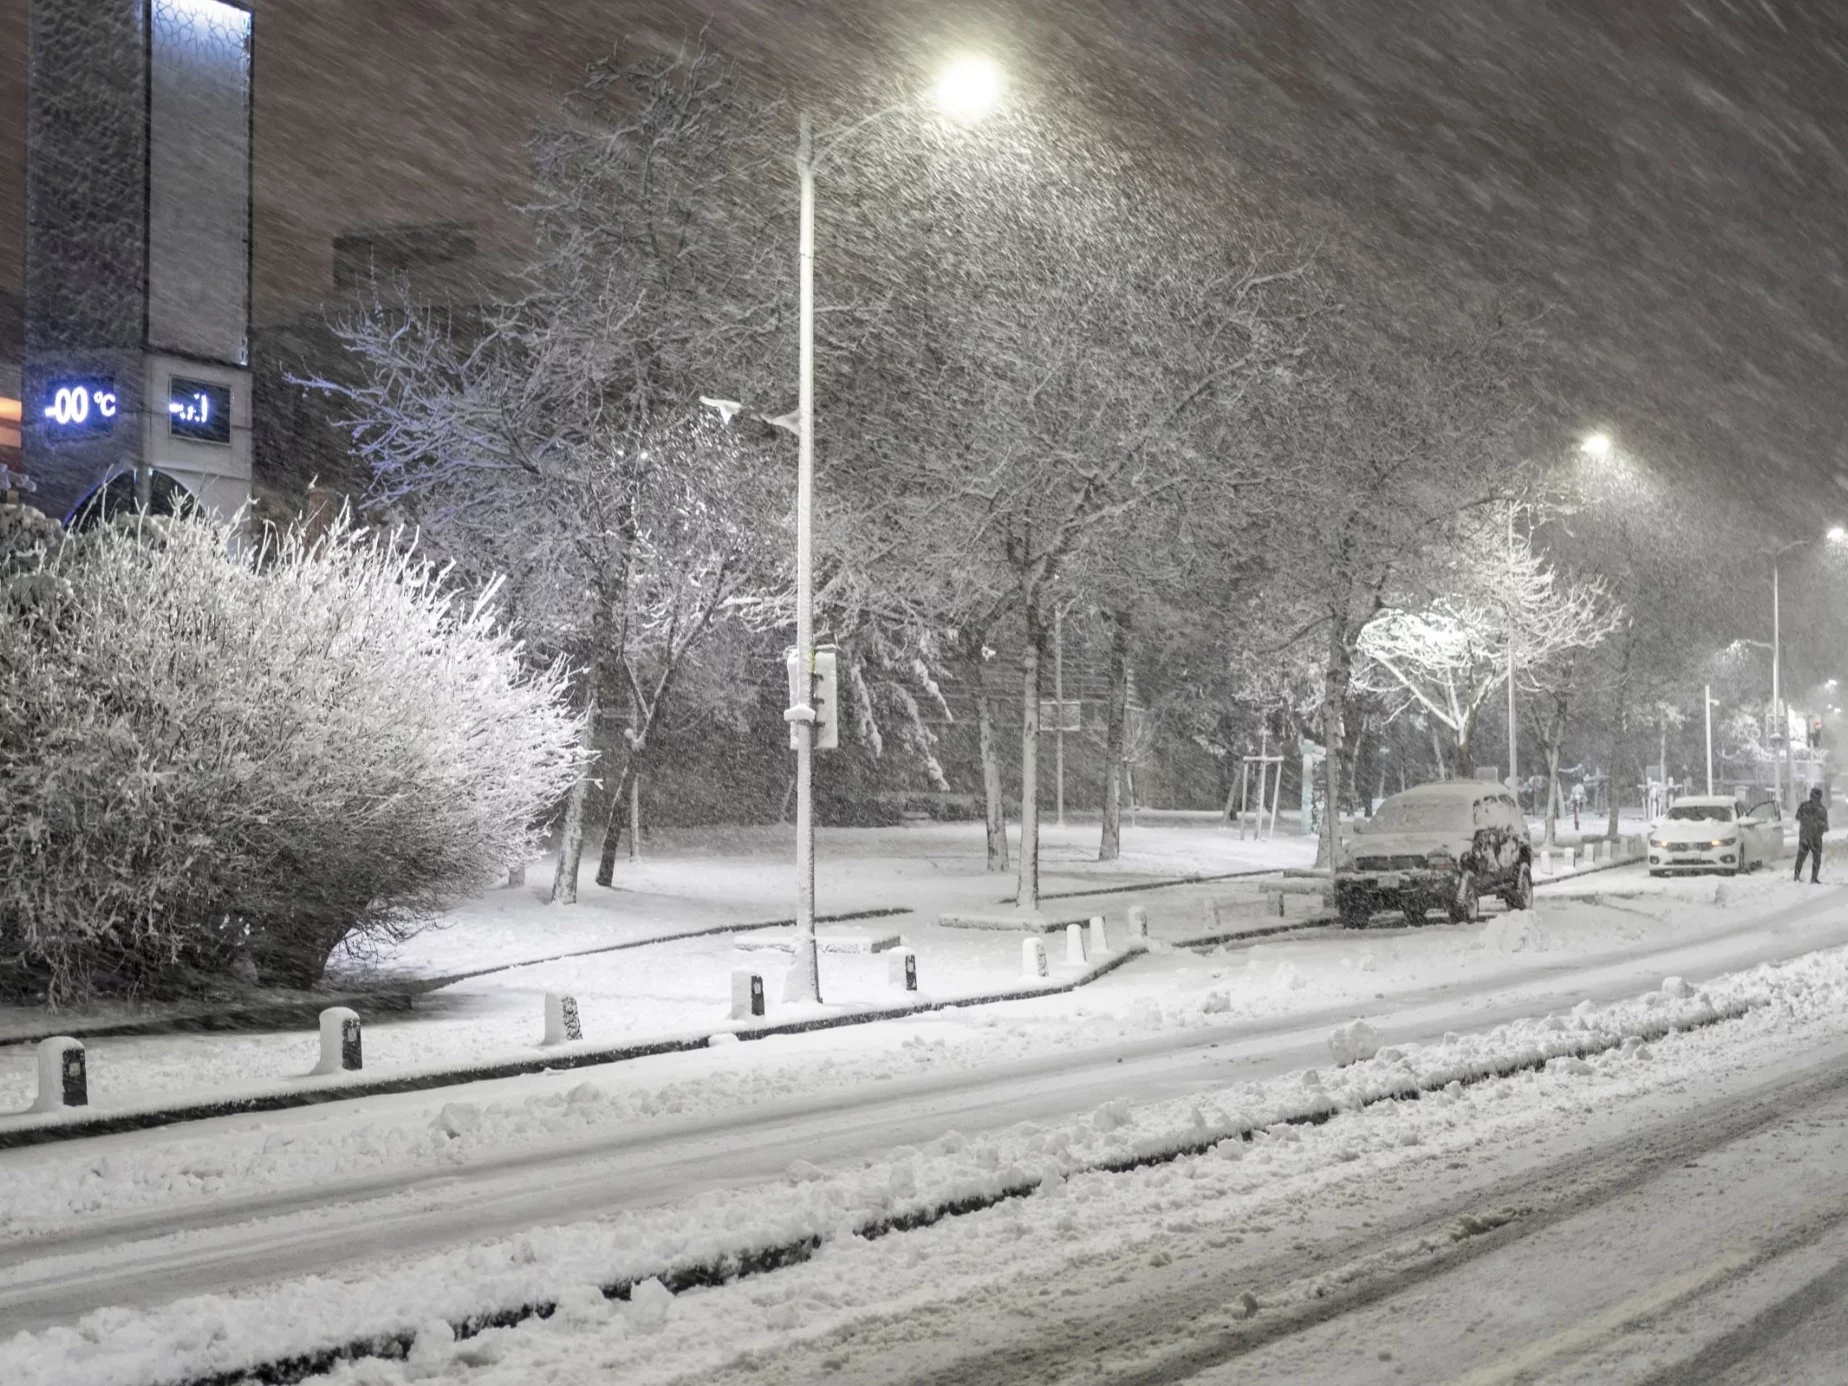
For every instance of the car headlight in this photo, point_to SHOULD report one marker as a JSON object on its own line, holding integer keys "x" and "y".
{"x": 1658, "y": 842}
{"x": 1441, "y": 860}
{"x": 1724, "y": 842}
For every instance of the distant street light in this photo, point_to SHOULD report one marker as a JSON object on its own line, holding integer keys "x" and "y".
{"x": 1596, "y": 446}
{"x": 967, "y": 89}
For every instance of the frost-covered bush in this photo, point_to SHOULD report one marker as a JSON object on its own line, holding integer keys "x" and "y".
{"x": 213, "y": 750}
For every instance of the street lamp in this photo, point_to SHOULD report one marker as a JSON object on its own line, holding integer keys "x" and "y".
{"x": 1596, "y": 446}
{"x": 966, "y": 89}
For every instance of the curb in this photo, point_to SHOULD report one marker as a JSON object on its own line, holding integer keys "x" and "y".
{"x": 149, "y": 1118}
{"x": 762, "y": 1260}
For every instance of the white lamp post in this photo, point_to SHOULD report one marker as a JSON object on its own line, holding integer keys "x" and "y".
{"x": 966, "y": 89}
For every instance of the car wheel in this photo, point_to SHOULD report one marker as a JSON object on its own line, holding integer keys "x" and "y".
{"x": 1468, "y": 902}
{"x": 1521, "y": 897}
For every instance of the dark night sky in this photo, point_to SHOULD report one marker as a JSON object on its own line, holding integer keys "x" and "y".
{"x": 1669, "y": 177}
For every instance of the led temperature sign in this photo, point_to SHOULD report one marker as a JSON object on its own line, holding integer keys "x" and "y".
{"x": 199, "y": 410}
{"x": 72, "y": 407}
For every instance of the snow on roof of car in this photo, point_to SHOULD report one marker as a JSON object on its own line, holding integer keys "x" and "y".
{"x": 1450, "y": 789}
{"x": 1704, "y": 801}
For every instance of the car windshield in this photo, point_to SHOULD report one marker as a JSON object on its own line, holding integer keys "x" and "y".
{"x": 1413, "y": 816}
{"x": 1701, "y": 813}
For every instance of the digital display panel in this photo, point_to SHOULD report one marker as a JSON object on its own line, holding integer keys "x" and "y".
{"x": 79, "y": 406}
{"x": 199, "y": 410}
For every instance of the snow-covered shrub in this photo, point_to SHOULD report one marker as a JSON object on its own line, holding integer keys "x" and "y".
{"x": 212, "y": 749}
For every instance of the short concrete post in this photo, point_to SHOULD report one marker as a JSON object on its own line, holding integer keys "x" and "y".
{"x": 747, "y": 995}
{"x": 1138, "y": 922}
{"x": 1032, "y": 959}
{"x": 1571, "y": 858}
{"x": 561, "y": 1019}
{"x": 1074, "y": 945}
{"x": 340, "y": 1049}
{"x": 63, "y": 1081}
{"x": 1546, "y": 862}
{"x": 1273, "y": 903}
{"x": 1591, "y": 854}
{"x": 902, "y": 969}
{"x": 1100, "y": 941}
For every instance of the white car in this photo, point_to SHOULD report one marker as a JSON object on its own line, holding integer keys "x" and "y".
{"x": 1715, "y": 833}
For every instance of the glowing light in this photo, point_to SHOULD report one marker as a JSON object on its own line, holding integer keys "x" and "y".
{"x": 1597, "y": 446}
{"x": 1837, "y": 534}
{"x": 81, "y": 406}
{"x": 968, "y": 88}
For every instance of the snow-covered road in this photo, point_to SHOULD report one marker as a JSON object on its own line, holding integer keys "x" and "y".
{"x": 129, "y": 1253}
{"x": 1683, "y": 1241}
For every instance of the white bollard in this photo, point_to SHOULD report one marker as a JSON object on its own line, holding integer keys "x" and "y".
{"x": 1032, "y": 959}
{"x": 1074, "y": 945}
{"x": 1138, "y": 922}
{"x": 1546, "y": 862}
{"x": 562, "y": 1024}
{"x": 1571, "y": 858}
{"x": 747, "y": 995}
{"x": 340, "y": 1049}
{"x": 63, "y": 1081}
{"x": 902, "y": 969}
{"x": 1273, "y": 903}
{"x": 1591, "y": 854}
{"x": 1100, "y": 941}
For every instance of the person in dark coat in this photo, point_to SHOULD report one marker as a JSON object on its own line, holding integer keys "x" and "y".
{"x": 1812, "y": 823}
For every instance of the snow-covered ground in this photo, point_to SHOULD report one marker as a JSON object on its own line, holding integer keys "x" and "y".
{"x": 700, "y": 880}
{"x": 1010, "y": 1255}
{"x": 348, "y": 1185}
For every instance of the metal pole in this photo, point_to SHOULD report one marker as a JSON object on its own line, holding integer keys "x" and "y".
{"x": 1058, "y": 696}
{"x": 804, "y": 979}
{"x": 1706, "y": 694}
{"x": 1780, "y": 723}
{"x": 1514, "y": 783}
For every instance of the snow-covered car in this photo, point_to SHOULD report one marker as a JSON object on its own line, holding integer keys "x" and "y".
{"x": 1715, "y": 833}
{"x": 1439, "y": 846}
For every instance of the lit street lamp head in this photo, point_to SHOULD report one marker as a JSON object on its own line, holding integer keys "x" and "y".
{"x": 968, "y": 88}
{"x": 1837, "y": 534}
{"x": 1596, "y": 446}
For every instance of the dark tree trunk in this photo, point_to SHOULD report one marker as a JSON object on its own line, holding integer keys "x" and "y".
{"x": 1027, "y": 897}
{"x": 1116, "y": 721}
{"x": 994, "y": 807}
{"x": 571, "y": 847}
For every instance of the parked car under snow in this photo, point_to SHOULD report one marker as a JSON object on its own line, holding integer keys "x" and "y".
{"x": 1439, "y": 846}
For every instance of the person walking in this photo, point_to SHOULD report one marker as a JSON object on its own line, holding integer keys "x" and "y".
{"x": 1812, "y": 823}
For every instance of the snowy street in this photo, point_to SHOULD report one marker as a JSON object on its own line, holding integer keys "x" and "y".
{"x": 1037, "y": 693}
{"x": 685, "y": 1150}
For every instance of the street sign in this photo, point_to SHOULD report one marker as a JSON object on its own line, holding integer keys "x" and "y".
{"x": 1056, "y": 716}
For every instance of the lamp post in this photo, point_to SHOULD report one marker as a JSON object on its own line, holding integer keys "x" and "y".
{"x": 1514, "y": 781}
{"x": 965, "y": 90}
{"x": 1706, "y": 700}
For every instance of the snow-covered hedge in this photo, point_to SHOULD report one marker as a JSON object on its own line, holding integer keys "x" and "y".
{"x": 213, "y": 750}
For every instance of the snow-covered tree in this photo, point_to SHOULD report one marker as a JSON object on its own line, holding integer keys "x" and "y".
{"x": 214, "y": 747}
{"x": 581, "y": 437}
{"x": 1497, "y": 596}
{"x": 1389, "y": 439}
{"x": 1069, "y": 342}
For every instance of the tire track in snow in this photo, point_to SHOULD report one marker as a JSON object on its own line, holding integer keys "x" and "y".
{"x": 1293, "y": 1299}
